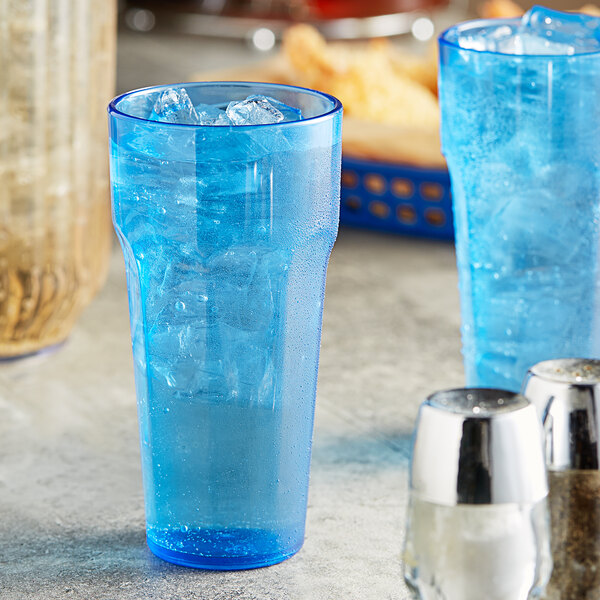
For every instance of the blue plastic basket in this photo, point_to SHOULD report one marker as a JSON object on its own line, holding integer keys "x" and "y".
{"x": 396, "y": 198}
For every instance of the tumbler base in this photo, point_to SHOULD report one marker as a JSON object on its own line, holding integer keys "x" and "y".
{"x": 221, "y": 550}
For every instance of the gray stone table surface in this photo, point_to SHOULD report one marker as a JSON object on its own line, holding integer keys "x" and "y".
{"x": 71, "y": 506}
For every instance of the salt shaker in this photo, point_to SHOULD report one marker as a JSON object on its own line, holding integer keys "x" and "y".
{"x": 477, "y": 526}
{"x": 566, "y": 393}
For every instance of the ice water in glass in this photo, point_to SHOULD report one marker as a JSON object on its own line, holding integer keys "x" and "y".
{"x": 226, "y": 208}
{"x": 520, "y": 103}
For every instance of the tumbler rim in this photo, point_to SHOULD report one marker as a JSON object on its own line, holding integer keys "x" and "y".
{"x": 460, "y": 28}
{"x": 336, "y": 107}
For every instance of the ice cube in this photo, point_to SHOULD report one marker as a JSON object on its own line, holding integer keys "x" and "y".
{"x": 252, "y": 379}
{"x": 487, "y": 39}
{"x": 137, "y": 105}
{"x": 565, "y": 33}
{"x": 290, "y": 113}
{"x": 184, "y": 352}
{"x": 177, "y": 355}
{"x": 549, "y": 32}
{"x": 250, "y": 282}
{"x": 541, "y": 32}
{"x": 254, "y": 110}
{"x": 532, "y": 44}
{"x": 223, "y": 119}
{"x": 174, "y": 106}
{"x": 208, "y": 114}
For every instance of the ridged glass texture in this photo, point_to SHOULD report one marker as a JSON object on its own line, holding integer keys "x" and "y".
{"x": 226, "y": 233}
{"x": 57, "y": 68}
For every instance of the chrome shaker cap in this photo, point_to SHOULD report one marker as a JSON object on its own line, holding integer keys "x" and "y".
{"x": 478, "y": 446}
{"x": 566, "y": 393}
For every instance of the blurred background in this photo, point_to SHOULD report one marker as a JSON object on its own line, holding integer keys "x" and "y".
{"x": 378, "y": 57}
{"x": 167, "y": 41}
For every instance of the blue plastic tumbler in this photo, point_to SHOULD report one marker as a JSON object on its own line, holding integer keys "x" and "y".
{"x": 520, "y": 102}
{"x": 226, "y": 233}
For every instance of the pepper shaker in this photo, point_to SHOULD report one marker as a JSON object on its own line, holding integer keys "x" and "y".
{"x": 477, "y": 525}
{"x": 566, "y": 393}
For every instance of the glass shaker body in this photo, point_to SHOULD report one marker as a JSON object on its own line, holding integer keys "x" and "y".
{"x": 477, "y": 523}
{"x": 58, "y": 67}
{"x": 566, "y": 393}
{"x": 470, "y": 552}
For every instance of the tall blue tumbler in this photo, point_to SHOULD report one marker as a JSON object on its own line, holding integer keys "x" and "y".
{"x": 226, "y": 233}
{"x": 520, "y": 102}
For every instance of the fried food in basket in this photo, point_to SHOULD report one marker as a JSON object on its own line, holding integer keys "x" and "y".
{"x": 390, "y": 106}
{"x": 500, "y": 9}
{"x": 422, "y": 69}
{"x": 368, "y": 80}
